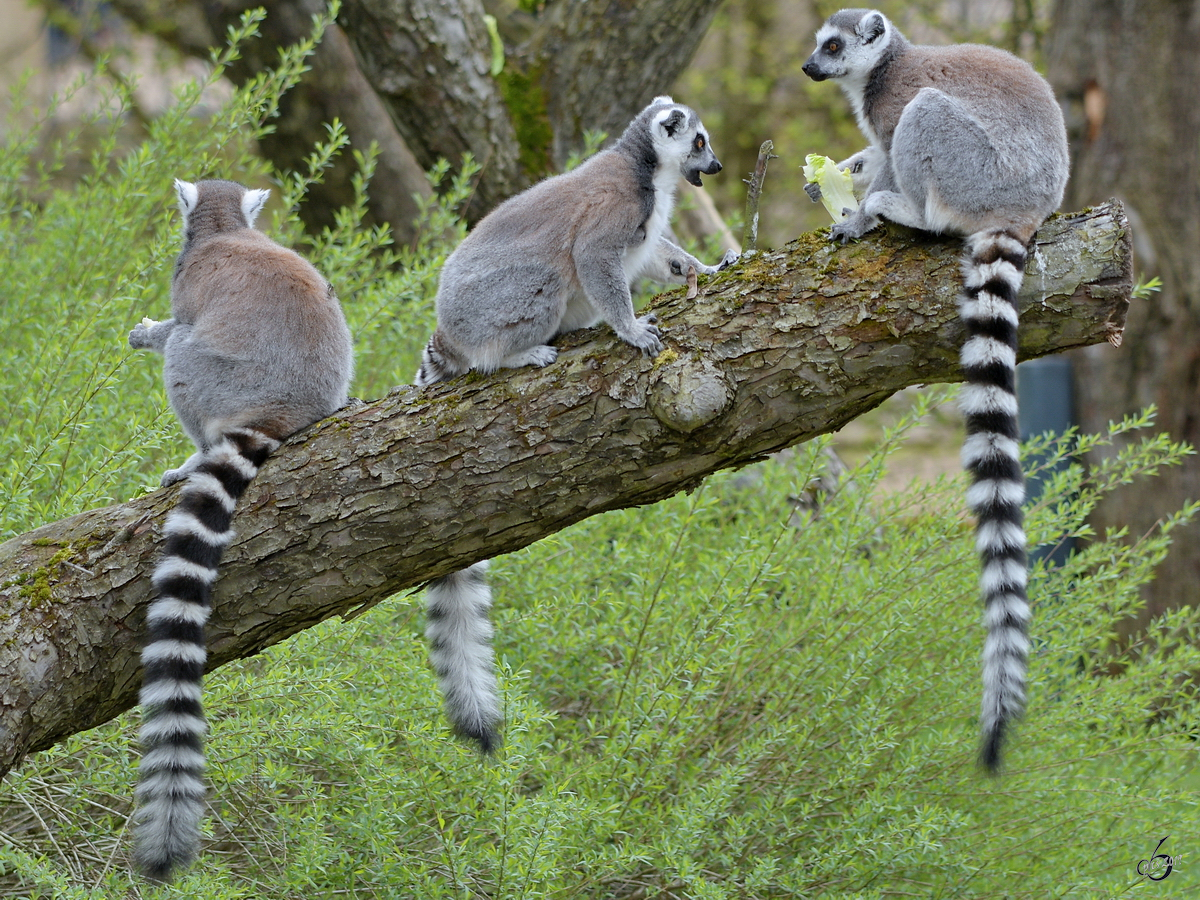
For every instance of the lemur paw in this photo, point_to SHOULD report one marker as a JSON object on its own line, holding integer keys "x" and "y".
{"x": 139, "y": 338}
{"x": 850, "y": 229}
{"x": 854, "y": 226}
{"x": 730, "y": 257}
{"x": 814, "y": 191}
{"x": 645, "y": 336}
{"x": 172, "y": 476}
{"x": 542, "y": 356}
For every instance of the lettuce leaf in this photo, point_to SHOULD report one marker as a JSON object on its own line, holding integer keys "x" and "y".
{"x": 837, "y": 186}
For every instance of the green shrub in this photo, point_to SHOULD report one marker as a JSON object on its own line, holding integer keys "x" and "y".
{"x": 717, "y": 696}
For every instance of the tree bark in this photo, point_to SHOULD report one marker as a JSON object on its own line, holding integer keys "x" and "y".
{"x": 429, "y": 62}
{"x": 381, "y": 497}
{"x": 1135, "y": 133}
{"x": 334, "y": 87}
{"x": 604, "y": 62}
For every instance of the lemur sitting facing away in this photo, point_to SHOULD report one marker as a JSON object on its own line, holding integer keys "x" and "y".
{"x": 558, "y": 257}
{"x": 965, "y": 140}
{"x": 256, "y": 349}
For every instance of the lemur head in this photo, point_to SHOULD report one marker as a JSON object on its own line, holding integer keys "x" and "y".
{"x": 680, "y": 139}
{"x": 222, "y": 205}
{"x": 849, "y": 45}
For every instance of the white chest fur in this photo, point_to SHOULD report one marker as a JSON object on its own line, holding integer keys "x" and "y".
{"x": 637, "y": 256}
{"x": 855, "y": 88}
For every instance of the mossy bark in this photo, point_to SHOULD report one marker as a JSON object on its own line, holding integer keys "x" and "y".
{"x": 381, "y": 497}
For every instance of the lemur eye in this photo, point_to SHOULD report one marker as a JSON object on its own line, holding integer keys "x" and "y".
{"x": 832, "y": 46}
{"x": 699, "y": 144}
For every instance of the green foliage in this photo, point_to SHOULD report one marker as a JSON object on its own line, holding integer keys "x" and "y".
{"x": 85, "y": 420}
{"x": 720, "y": 696}
{"x": 1144, "y": 289}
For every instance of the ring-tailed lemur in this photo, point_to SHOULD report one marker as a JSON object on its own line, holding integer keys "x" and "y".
{"x": 965, "y": 140}
{"x": 558, "y": 257}
{"x": 563, "y": 254}
{"x": 257, "y": 349}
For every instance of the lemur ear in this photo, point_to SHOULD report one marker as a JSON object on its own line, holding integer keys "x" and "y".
{"x": 186, "y": 195}
{"x": 872, "y": 26}
{"x": 252, "y": 204}
{"x": 671, "y": 121}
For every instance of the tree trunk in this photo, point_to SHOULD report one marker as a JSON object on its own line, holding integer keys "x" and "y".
{"x": 334, "y": 87}
{"x": 384, "y": 496}
{"x": 429, "y": 62}
{"x": 604, "y": 62}
{"x": 416, "y": 78}
{"x": 1135, "y": 133}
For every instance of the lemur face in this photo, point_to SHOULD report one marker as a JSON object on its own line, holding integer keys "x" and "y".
{"x": 679, "y": 135}
{"x": 849, "y": 44}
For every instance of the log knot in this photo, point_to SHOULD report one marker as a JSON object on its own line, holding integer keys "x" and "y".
{"x": 688, "y": 393}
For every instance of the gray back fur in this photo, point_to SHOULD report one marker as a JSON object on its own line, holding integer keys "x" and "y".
{"x": 258, "y": 338}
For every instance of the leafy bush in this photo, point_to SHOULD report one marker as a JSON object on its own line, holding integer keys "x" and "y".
{"x": 720, "y": 696}
{"x": 85, "y": 419}
{"x": 713, "y": 697}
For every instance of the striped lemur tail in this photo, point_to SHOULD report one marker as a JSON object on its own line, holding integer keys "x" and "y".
{"x": 993, "y": 268}
{"x": 460, "y": 648}
{"x": 456, "y": 618}
{"x": 439, "y": 362}
{"x": 170, "y": 791}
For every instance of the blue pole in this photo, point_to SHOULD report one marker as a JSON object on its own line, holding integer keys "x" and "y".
{"x": 1046, "y": 403}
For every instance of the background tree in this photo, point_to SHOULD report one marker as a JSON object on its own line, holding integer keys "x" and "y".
{"x": 436, "y": 79}
{"x": 1129, "y": 75}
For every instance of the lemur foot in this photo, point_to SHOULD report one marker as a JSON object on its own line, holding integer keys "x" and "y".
{"x": 645, "y": 335}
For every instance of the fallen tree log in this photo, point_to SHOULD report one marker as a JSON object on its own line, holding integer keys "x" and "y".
{"x": 383, "y": 496}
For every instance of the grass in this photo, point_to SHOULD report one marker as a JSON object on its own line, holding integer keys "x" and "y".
{"x": 710, "y": 697}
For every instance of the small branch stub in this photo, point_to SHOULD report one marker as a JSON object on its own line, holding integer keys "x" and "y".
{"x": 750, "y": 243}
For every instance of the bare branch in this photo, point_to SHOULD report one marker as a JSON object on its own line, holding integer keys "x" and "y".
{"x": 755, "y": 191}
